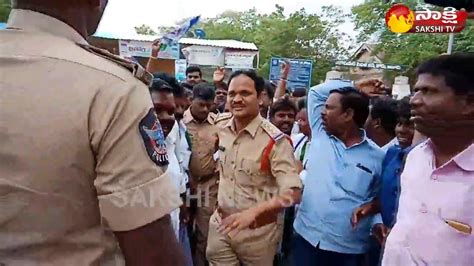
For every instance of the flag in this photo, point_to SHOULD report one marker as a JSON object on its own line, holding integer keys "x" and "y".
{"x": 178, "y": 33}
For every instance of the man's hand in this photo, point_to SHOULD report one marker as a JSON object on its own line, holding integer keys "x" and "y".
{"x": 219, "y": 75}
{"x": 236, "y": 222}
{"x": 380, "y": 232}
{"x": 285, "y": 69}
{"x": 363, "y": 212}
{"x": 371, "y": 87}
{"x": 155, "y": 48}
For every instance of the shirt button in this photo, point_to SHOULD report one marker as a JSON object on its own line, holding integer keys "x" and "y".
{"x": 423, "y": 208}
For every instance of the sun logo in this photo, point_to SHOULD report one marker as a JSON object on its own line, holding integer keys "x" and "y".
{"x": 400, "y": 18}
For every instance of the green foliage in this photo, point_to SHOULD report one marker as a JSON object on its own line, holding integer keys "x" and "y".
{"x": 145, "y": 29}
{"x": 4, "y": 10}
{"x": 299, "y": 35}
{"x": 404, "y": 49}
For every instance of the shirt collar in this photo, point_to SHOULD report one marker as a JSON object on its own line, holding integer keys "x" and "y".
{"x": 465, "y": 159}
{"x": 188, "y": 117}
{"x": 251, "y": 128}
{"x": 364, "y": 139}
{"x": 31, "y": 20}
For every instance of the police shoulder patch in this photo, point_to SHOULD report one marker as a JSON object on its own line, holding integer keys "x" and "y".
{"x": 136, "y": 69}
{"x": 153, "y": 138}
{"x": 222, "y": 117}
{"x": 272, "y": 130}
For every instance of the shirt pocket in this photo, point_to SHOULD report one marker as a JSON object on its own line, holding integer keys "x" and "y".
{"x": 355, "y": 182}
{"x": 248, "y": 173}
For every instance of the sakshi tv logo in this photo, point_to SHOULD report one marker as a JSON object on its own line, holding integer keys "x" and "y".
{"x": 401, "y": 19}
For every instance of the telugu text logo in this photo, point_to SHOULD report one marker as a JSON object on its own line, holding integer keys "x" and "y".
{"x": 401, "y": 19}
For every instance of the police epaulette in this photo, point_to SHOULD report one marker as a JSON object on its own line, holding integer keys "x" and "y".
{"x": 222, "y": 116}
{"x": 272, "y": 130}
{"x": 137, "y": 71}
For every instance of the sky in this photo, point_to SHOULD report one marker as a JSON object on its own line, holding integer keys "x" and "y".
{"x": 122, "y": 15}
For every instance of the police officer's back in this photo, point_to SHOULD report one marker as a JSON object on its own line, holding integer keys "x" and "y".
{"x": 80, "y": 144}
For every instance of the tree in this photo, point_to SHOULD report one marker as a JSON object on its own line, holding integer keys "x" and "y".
{"x": 145, "y": 29}
{"x": 404, "y": 49}
{"x": 299, "y": 35}
{"x": 4, "y": 10}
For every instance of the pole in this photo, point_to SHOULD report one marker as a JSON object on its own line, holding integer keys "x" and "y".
{"x": 450, "y": 43}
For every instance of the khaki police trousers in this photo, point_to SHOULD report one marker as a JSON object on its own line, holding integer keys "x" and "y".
{"x": 207, "y": 193}
{"x": 255, "y": 247}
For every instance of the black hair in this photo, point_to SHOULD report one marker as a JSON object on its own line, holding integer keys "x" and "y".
{"x": 188, "y": 93}
{"x": 204, "y": 91}
{"x": 178, "y": 90}
{"x": 192, "y": 69}
{"x": 222, "y": 86}
{"x": 457, "y": 70}
{"x": 282, "y": 104}
{"x": 299, "y": 92}
{"x": 386, "y": 111}
{"x": 301, "y": 103}
{"x": 269, "y": 89}
{"x": 355, "y": 100}
{"x": 404, "y": 110}
{"x": 187, "y": 86}
{"x": 259, "y": 81}
{"x": 159, "y": 85}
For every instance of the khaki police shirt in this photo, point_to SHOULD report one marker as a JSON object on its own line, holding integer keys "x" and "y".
{"x": 71, "y": 140}
{"x": 242, "y": 181}
{"x": 203, "y": 145}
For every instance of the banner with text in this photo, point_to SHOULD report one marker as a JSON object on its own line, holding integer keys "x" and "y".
{"x": 204, "y": 55}
{"x": 129, "y": 49}
{"x": 239, "y": 59}
{"x": 299, "y": 75}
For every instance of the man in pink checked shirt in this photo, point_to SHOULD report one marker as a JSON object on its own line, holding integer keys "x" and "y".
{"x": 435, "y": 217}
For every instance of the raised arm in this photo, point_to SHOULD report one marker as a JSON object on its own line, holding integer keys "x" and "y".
{"x": 317, "y": 97}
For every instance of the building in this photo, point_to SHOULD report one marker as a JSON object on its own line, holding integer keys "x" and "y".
{"x": 366, "y": 54}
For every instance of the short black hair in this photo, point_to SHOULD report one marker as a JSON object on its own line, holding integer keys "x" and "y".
{"x": 355, "y": 100}
{"x": 457, "y": 70}
{"x": 222, "y": 86}
{"x": 385, "y": 109}
{"x": 259, "y": 81}
{"x": 282, "y": 104}
{"x": 269, "y": 89}
{"x": 204, "y": 91}
{"x": 178, "y": 90}
{"x": 299, "y": 92}
{"x": 192, "y": 69}
{"x": 187, "y": 86}
{"x": 302, "y": 103}
{"x": 159, "y": 85}
{"x": 404, "y": 110}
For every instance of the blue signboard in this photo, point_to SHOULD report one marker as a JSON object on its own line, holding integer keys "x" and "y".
{"x": 299, "y": 75}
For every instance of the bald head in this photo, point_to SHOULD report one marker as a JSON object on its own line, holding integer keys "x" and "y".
{"x": 82, "y": 15}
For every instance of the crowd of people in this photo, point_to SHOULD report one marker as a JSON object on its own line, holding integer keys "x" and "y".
{"x": 117, "y": 164}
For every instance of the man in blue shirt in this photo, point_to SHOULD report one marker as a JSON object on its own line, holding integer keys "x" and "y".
{"x": 391, "y": 170}
{"x": 333, "y": 222}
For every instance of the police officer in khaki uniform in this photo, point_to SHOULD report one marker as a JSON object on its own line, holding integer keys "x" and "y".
{"x": 203, "y": 167}
{"x": 258, "y": 179}
{"x": 80, "y": 148}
